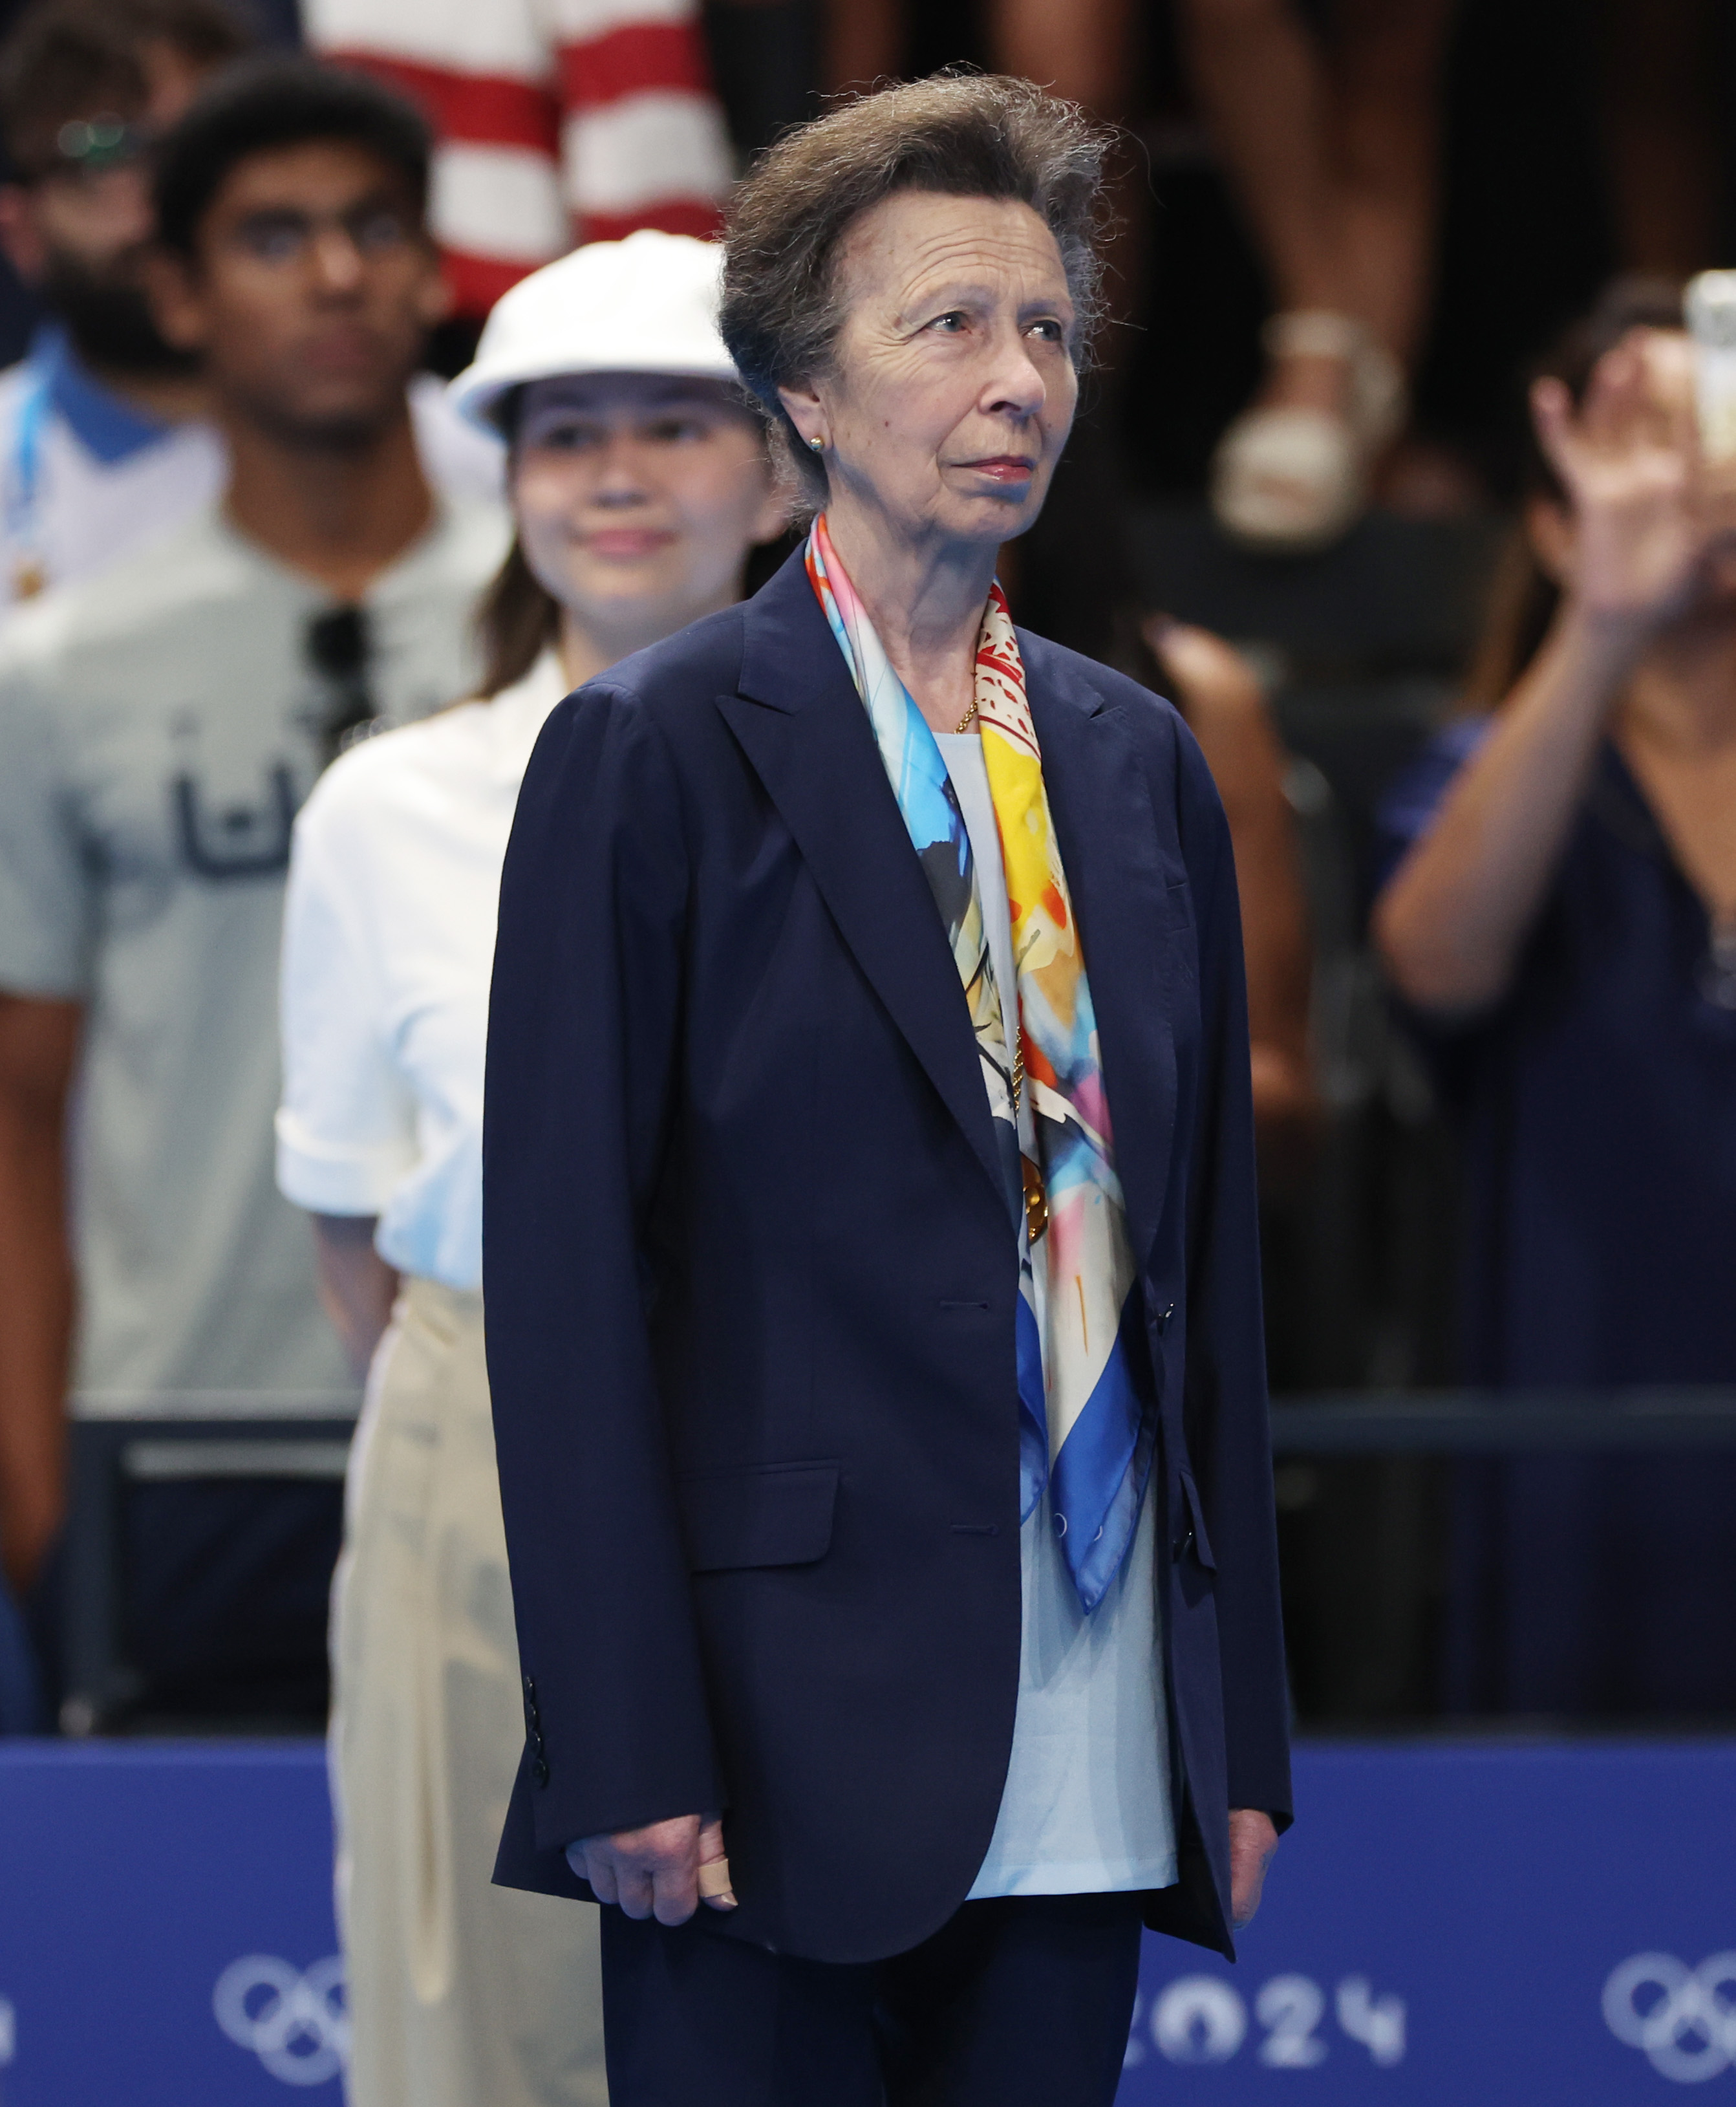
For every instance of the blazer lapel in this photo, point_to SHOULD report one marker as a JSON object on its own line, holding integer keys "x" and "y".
{"x": 1101, "y": 799}
{"x": 801, "y": 724}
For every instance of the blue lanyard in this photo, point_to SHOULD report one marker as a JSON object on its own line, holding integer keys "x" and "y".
{"x": 30, "y": 573}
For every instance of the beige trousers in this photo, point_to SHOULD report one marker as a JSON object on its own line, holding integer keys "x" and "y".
{"x": 461, "y": 1994}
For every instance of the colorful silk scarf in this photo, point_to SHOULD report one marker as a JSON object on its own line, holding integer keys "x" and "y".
{"x": 1083, "y": 1436}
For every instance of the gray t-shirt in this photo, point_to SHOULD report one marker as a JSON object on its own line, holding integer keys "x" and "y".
{"x": 159, "y": 727}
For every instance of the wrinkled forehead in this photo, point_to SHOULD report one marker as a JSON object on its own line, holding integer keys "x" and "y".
{"x": 919, "y": 245}
{"x": 612, "y": 395}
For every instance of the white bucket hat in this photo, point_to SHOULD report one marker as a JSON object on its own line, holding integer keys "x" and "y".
{"x": 648, "y": 304}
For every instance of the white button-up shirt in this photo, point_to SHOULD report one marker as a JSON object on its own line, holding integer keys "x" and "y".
{"x": 389, "y": 946}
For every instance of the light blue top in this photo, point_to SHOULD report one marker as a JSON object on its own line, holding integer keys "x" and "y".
{"x": 1086, "y": 1808}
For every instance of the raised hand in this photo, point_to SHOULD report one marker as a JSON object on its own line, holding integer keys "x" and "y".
{"x": 1653, "y": 517}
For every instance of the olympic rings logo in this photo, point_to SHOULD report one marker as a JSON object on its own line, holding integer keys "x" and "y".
{"x": 1684, "y": 2018}
{"x": 297, "y": 2024}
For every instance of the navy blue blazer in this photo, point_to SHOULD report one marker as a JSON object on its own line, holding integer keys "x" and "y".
{"x": 750, "y": 1285}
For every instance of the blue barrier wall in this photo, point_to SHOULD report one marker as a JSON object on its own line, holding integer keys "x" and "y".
{"x": 134, "y": 1878}
{"x": 1454, "y": 1926}
{"x": 1446, "y": 1927}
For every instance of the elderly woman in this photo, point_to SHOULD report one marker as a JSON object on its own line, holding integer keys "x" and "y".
{"x": 639, "y": 483}
{"x": 868, "y": 1222}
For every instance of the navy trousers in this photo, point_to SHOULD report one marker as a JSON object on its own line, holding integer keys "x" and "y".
{"x": 1021, "y": 2002}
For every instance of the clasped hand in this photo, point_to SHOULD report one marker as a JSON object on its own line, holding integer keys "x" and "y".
{"x": 653, "y": 1871}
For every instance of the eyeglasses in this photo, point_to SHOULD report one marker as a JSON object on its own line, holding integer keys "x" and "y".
{"x": 339, "y": 647}
{"x": 92, "y": 145}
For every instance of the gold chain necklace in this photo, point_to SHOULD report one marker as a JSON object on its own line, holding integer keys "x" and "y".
{"x": 967, "y": 719}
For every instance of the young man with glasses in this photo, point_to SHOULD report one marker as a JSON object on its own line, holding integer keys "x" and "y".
{"x": 159, "y": 726}
{"x": 104, "y": 437}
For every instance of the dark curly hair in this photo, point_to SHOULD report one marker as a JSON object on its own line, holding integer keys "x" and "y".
{"x": 274, "y": 100}
{"x": 962, "y": 135}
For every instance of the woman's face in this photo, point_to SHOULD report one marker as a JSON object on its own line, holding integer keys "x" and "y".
{"x": 638, "y": 497}
{"x": 953, "y": 387}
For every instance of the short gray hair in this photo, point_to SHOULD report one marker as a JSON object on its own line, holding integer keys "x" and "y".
{"x": 960, "y": 135}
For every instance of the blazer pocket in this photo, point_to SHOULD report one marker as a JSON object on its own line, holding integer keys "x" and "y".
{"x": 769, "y": 1514}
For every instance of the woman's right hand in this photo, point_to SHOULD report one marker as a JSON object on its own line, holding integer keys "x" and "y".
{"x": 654, "y": 1871}
{"x": 1652, "y": 515}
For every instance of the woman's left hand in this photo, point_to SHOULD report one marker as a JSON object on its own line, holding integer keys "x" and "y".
{"x": 1253, "y": 1839}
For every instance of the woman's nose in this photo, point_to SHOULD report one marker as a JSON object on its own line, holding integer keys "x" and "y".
{"x": 1016, "y": 387}
{"x": 623, "y": 480}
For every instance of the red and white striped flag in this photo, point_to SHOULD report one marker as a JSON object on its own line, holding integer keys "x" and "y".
{"x": 558, "y": 121}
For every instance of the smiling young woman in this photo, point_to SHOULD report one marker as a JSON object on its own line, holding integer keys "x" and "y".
{"x": 639, "y": 483}
{"x": 873, "y": 1298}
{"x": 636, "y": 496}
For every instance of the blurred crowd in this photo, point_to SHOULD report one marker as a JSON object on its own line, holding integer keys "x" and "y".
{"x": 1397, "y": 322}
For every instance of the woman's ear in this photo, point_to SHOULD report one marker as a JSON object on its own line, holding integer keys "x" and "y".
{"x": 805, "y": 411}
{"x": 1553, "y": 537}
